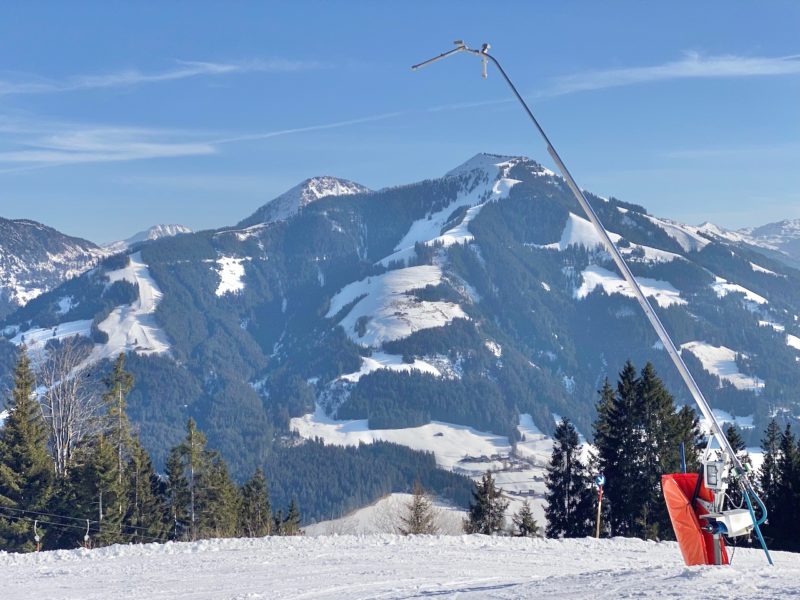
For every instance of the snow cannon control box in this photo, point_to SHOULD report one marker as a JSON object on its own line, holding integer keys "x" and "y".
{"x": 732, "y": 523}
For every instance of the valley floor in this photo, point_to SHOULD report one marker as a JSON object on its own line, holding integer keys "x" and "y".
{"x": 391, "y": 567}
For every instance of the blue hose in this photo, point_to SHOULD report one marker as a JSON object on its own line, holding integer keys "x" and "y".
{"x": 760, "y": 521}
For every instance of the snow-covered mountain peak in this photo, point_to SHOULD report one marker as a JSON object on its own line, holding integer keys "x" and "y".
{"x": 293, "y": 201}
{"x": 151, "y": 233}
{"x": 490, "y": 163}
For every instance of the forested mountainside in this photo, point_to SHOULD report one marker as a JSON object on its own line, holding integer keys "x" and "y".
{"x": 35, "y": 258}
{"x": 469, "y": 299}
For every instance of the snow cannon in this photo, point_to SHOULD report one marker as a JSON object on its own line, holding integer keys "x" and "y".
{"x": 696, "y": 506}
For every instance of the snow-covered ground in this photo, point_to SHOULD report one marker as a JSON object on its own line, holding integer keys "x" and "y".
{"x": 393, "y": 362}
{"x": 385, "y": 310}
{"x": 36, "y": 337}
{"x": 721, "y": 361}
{"x": 231, "y": 272}
{"x": 384, "y": 516}
{"x": 392, "y": 567}
{"x": 663, "y": 292}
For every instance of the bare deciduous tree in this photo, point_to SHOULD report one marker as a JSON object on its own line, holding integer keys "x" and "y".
{"x": 71, "y": 403}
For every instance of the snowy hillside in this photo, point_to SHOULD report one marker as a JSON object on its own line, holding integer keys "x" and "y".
{"x": 35, "y": 258}
{"x": 151, "y": 233}
{"x": 392, "y": 568}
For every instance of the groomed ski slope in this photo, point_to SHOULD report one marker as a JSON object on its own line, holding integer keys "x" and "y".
{"x": 391, "y": 567}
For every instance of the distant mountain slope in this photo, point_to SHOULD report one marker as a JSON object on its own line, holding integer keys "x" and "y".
{"x": 481, "y": 300}
{"x": 300, "y": 196}
{"x": 151, "y": 233}
{"x": 35, "y": 258}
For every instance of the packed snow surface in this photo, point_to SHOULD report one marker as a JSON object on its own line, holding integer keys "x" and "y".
{"x": 721, "y": 361}
{"x": 231, "y": 272}
{"x": 664, "y": 293}
{"x": 392, "y": 567}
{"x": 385, "y": 310}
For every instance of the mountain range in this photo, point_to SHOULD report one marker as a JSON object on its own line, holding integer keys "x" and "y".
{"x": 459, "y": 315}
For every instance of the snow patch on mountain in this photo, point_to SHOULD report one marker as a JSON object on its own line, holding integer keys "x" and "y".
{"x": 580, "y": 232}
{"x": 37, "y": 337}
{"x": 722, "y": 287}
{"x": 760, "y": 269}
{"x": 687, "y": 236}
{"x": 663, "y": 292}
{"x": 392, "y": 362}
{"x": 721, "y": 361}
{"x": 450, "y": 443}
{"x": 231, "y": 273}
{"x": 385, "y": 310}
{"x": 793, "y": 341}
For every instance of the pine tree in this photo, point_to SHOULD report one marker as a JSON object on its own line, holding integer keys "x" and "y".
{"x": 784, "y": 521}
{"x": 177, "y": 496}
{"x": 487, "y": 510}
{"x": 256, "y": 512}
{"x": 619, "y": 441}
{"x": 524, "y": 523}
{"x": 106, "y": 489}
{"x": 663, "y": 432}
{"x": 217, "y": 499}
{"x": 145, "y": 518}
{"x": 768, "y": 474}
{"x": 569, "y": 497}
{"x": 26, "y": 469}
{"x": 291, "y": 524}
{"x": 187, "y": 464}
{"x": 420, "y": 516}
{"x": 118, "y": 385}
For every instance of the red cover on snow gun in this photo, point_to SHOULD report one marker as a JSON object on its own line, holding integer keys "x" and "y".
{"x": 697, "y": 545}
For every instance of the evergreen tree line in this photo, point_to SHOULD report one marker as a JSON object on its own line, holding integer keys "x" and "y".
{"x": 102, "y": 488}
{"x": 638, "y": 435}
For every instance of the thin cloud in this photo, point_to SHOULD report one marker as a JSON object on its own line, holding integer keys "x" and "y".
{"x": 132, "y": 77}
{"x": 98, "y": 144}
{"x": 692, "y": 66}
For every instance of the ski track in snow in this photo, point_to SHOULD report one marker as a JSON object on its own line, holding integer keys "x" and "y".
{"x": 133, "y": 327}
{"x": 391, "y": 567}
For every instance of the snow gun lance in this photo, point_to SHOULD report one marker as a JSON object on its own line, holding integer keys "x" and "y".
{"x": 698, "y": 513}
{"x": 599, "y": 482}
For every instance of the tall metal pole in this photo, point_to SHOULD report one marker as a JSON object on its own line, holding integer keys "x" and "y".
{"x": 669, "y": 346}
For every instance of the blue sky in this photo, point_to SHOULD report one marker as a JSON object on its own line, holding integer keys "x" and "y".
{"x": 115, "y": 116}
